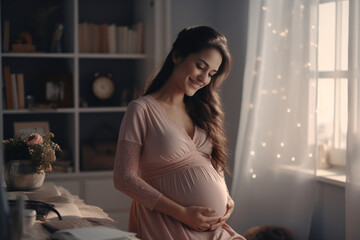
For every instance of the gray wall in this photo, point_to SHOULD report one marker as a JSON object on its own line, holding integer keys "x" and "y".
{"x": 328, "y": 222}
{"x": 230, "y": 18}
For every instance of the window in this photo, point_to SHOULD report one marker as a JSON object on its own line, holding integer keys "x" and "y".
{"x": 333, "y": 81}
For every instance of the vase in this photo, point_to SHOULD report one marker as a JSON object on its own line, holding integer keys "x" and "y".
{"x": 20, "y": 176}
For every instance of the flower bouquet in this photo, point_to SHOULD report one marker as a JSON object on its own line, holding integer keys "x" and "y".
{"x": 27, "y": 158}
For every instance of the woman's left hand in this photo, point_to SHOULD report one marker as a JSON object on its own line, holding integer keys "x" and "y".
{"x": 230, "y": 208}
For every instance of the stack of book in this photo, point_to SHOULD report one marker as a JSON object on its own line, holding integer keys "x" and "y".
{"x": 105, "y": 38}
{"x": 14, "y": 89}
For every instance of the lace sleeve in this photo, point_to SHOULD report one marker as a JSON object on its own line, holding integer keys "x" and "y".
{"x": 126, "y": 178}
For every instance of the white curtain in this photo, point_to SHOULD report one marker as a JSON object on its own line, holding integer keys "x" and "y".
{"x": 352, "y": 198}
{"x": 275, "y": 163}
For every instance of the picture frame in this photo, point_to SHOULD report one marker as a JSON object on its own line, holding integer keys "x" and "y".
{"x": 56, "y": 90}
{"x": 25, "y": 128}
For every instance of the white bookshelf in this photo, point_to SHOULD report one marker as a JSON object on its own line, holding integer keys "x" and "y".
{"x": 73, "y": 125}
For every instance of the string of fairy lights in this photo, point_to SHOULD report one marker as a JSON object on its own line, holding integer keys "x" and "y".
{"x": 280, "y": 93}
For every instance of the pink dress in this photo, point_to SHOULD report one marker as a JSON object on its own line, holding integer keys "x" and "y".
{"x": 171, "y": 163}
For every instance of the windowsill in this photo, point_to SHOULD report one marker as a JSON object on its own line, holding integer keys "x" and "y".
{"x": 334, "y": 175}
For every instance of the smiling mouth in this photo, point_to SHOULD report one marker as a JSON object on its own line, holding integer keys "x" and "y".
{"x": 196, "y": 84}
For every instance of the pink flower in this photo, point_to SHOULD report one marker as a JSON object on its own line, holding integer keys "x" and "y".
{"x": 34, "y": 138}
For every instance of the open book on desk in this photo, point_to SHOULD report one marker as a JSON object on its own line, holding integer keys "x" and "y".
{"x": 93, "y": 233}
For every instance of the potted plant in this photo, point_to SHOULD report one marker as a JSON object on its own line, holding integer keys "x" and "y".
{"x": 27, "y": 158}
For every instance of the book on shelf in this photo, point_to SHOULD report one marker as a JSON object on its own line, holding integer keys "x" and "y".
{"x": 112, "y": 38}
{"x": 102, "y": 31}
{"x": 122, "y": 39}
{"x": 140, "y": 37}
{"x": 6, "y": 35}
{"x": 132, "y": 41}
{"x": 14, "y": 89}
{"x": 20, "y": 90}
{"x": 14, "y": 94}
{"x": 82, "y": 36}
{"x": 8, "y": 91}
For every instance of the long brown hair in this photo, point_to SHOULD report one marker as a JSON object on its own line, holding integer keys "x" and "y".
{"x": 204, "y": 107}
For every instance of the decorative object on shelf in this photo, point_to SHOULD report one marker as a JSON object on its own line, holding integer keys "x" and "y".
{"x": 6, "y": 39}
{"x": 98, "y": 152}
{"x": 24, "y": 43}
{"x": 125, "y": 97}
{"x": 26, "y": 128}
{"x": 27, "y": 158}
{"x": 83, "y": 103}
{"x": 56, "y": 41}
{"x": 44, "y": 19}
{"x": 29, "y": 101}
{"x": 56, "y": 89}
{"x": 98, "y": 156}
{"x": 103, "y": 86}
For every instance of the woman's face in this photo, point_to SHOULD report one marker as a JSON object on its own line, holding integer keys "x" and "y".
{"x": 196, "y": 70}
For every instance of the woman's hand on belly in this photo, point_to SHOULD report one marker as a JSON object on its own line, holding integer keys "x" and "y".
{"x": 198, "y": 218}
{"x": 230, "y": 208}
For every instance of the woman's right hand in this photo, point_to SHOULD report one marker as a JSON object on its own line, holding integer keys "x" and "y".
{"x": 198, "y": 218}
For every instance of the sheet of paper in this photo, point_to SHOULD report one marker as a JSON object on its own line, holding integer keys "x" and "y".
{"x": 92, "y": 233}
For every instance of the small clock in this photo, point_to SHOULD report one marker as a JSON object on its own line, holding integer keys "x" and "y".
{"x": 103, "y": 86}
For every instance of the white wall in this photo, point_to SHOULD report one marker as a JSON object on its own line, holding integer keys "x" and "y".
{"x": 230, "y": 18}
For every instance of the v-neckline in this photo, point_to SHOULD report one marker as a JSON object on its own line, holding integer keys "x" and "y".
{"x": 162, "y": 109}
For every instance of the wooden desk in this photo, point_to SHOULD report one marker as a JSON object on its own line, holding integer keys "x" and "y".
{"x": 69, "y": 206}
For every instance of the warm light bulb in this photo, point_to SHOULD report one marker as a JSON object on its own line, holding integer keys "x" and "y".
{"x": 253, "y": 175}
{"x": 282, "y": 144}
{"x": 263, "y": 144}
{"x": 298, "y": 125}
{"x": 252, "y": 153}
{"x": 278, "y": 156}
{"x": 293, "y": 159}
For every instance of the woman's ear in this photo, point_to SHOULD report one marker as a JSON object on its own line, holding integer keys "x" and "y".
{"x": 175, "y": 57}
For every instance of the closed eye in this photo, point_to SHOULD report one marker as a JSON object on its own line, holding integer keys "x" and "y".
{"x": 212, "y": 74}
{"x": 200, "y": 67}
{"x": 206, "y": 65}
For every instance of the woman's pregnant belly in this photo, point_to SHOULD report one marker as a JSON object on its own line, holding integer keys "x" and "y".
{"x": 195, "y": 186}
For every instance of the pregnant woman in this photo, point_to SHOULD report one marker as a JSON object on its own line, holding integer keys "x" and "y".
{"x": 173, "y": 136}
